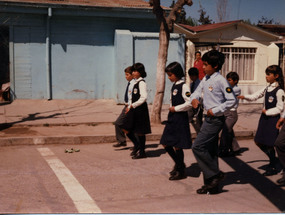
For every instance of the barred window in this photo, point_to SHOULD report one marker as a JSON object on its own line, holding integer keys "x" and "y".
{"x": 240, "y": 60}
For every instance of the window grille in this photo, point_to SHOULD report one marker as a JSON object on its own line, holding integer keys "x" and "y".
{"x": 240, "y": 60}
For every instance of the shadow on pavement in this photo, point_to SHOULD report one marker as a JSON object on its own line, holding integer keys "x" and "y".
{"x": 244, "y": 174}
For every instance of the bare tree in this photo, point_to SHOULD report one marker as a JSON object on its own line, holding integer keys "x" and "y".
{"x": 166, "y": 26}
{"x": 222, "y": 9}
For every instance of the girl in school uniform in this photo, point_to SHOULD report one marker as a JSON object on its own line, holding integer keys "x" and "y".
{"x": 273, "y": 105}
{"x": 137, "y": 123}
{"x": 176, "y": 135}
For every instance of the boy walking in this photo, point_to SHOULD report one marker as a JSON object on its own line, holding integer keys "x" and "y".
{"x": 217, "y": 97}
{"x": 120, "y": 135}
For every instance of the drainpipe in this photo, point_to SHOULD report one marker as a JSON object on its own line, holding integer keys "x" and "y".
{"x": 48, "y": 56}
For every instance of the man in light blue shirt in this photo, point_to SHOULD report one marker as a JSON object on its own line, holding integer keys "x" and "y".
{"x": 217, "y": 97}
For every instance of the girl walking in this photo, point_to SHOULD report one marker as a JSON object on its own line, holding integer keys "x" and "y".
{"x": 176, "y": 135}
{"x": 137, "y": 123}
{"x": 273, "y": 105}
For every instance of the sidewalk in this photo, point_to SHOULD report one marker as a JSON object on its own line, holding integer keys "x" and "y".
{"x": 32, "y": 122}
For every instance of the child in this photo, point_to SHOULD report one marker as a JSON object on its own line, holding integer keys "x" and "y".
{"x": 195, "y": 115}
{"x": 137, "y": 116}
{"x": 176, "y": 135}
{"x": 217, "y": 97}
{"x": 280, "y": 147}
{"x": 120, "y": 135}
{"x": 228, "y": 144}
{"x": 267, "y": 132}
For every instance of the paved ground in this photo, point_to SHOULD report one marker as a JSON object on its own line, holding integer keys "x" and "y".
{"x": 32, "y": 122}
{"x": 100, "y": 178}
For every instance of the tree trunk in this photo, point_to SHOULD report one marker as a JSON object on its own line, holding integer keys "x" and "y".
{"x": 166, "y": 25}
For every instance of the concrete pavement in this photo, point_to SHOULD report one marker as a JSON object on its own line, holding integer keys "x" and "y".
{"x": 36, "y": 122}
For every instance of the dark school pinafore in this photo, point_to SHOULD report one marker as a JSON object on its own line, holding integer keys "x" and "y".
{"x": 177, "y": 132}
{"x": 137, "y": 119}
{"x": 267, "y": 132}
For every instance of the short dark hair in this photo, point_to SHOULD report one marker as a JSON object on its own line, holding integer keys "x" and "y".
{"x": 193, "y": 71}
{"x": 129, "y": 70}
{"x": 176, "y": 69}
{"x": 214, "y": 58}
{"x": 197, "y": 52}
{"x": 140, "y": 68}
{"x": 233, "y": 75}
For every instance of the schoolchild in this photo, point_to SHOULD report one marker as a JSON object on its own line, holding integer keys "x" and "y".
{"x": 228, "y": 143}
{"x": 176, "y": 135}
{"x": 280, "y": 147}
{"x": 195, "y": 115}
{"x": 267, "y": 132}
{"x": 217, "y": 98}
{"x": 120, "y": 135}
{"x": 137, "y": 121}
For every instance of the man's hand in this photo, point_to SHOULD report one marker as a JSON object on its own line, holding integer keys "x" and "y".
{"x": 195, "y": 103}
{"x": 280, "y": 123}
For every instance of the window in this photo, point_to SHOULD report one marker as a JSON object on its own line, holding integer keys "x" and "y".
{"x": 240, "y": 60}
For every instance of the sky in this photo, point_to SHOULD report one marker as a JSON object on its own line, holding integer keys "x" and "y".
{"x": 238, "y": 9}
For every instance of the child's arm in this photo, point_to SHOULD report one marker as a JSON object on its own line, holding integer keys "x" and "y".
{"x": 254, "y": 96}
{"x": 195, "y": 97}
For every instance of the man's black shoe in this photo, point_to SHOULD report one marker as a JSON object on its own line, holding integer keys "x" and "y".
{"x": 270, "y": 171}
{"x": 120, "y": 144}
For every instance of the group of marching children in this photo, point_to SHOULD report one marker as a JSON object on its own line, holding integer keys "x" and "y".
{"x": 214, "y": 98}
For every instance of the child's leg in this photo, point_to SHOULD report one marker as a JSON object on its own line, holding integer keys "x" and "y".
{"x": 205, "y": 150}
{"x": 270, "y": 152}
{"x": 179, "y": 169}
{"x": 135, "y": 141}
{"x": 280, "y": 148}
{"x": 141, "y": 154}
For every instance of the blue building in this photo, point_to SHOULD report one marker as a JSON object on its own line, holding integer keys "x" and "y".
{"x": 75, "y": 49}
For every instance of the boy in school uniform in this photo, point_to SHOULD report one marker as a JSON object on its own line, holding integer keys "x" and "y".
{"x": 217, "y": 97}
{"x": 228, "y": 143}
{"x": 195, "y": 116}
{"x": 120, "y": 135}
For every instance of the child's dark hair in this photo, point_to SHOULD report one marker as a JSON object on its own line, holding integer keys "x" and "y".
{"x": 214, "y": 58}
{"x": 276, "y": 70}
{"x": 176, "y": 69}
{"x": 129, "y": 70}
{"x": 233, "y": 75}
{"x": 193, "y": 71}
{"x": 140, "y": 68}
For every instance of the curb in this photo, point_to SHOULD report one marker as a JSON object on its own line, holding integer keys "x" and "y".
{"x": 72, "y": 140}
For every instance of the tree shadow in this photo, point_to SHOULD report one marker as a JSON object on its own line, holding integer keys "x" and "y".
{"x": 245, "y": 174}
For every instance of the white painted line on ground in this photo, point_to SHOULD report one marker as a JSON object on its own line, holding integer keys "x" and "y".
{"x": 82, "y": 200}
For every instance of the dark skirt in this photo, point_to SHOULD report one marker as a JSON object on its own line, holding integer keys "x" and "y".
{"x": 137, "y": 120}
{"x": 267, "y": 132}
{"x": 177, "y": 132}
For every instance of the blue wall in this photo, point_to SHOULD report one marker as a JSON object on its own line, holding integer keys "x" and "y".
{"x": 88, "y": 53}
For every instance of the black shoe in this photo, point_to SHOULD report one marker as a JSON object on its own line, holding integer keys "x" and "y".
{"x": 270, "y": 171}
{"x": 174, "y": 170}
{"x": 205, "y": 189}
{"x": 134, "y": 152}
{"x": 120, "y": 144}
{"x": 139, "y": 155}
{"x": 215, "y": 180}
{"x": 281, "y": 181}
{"x": 178, "y": 175}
